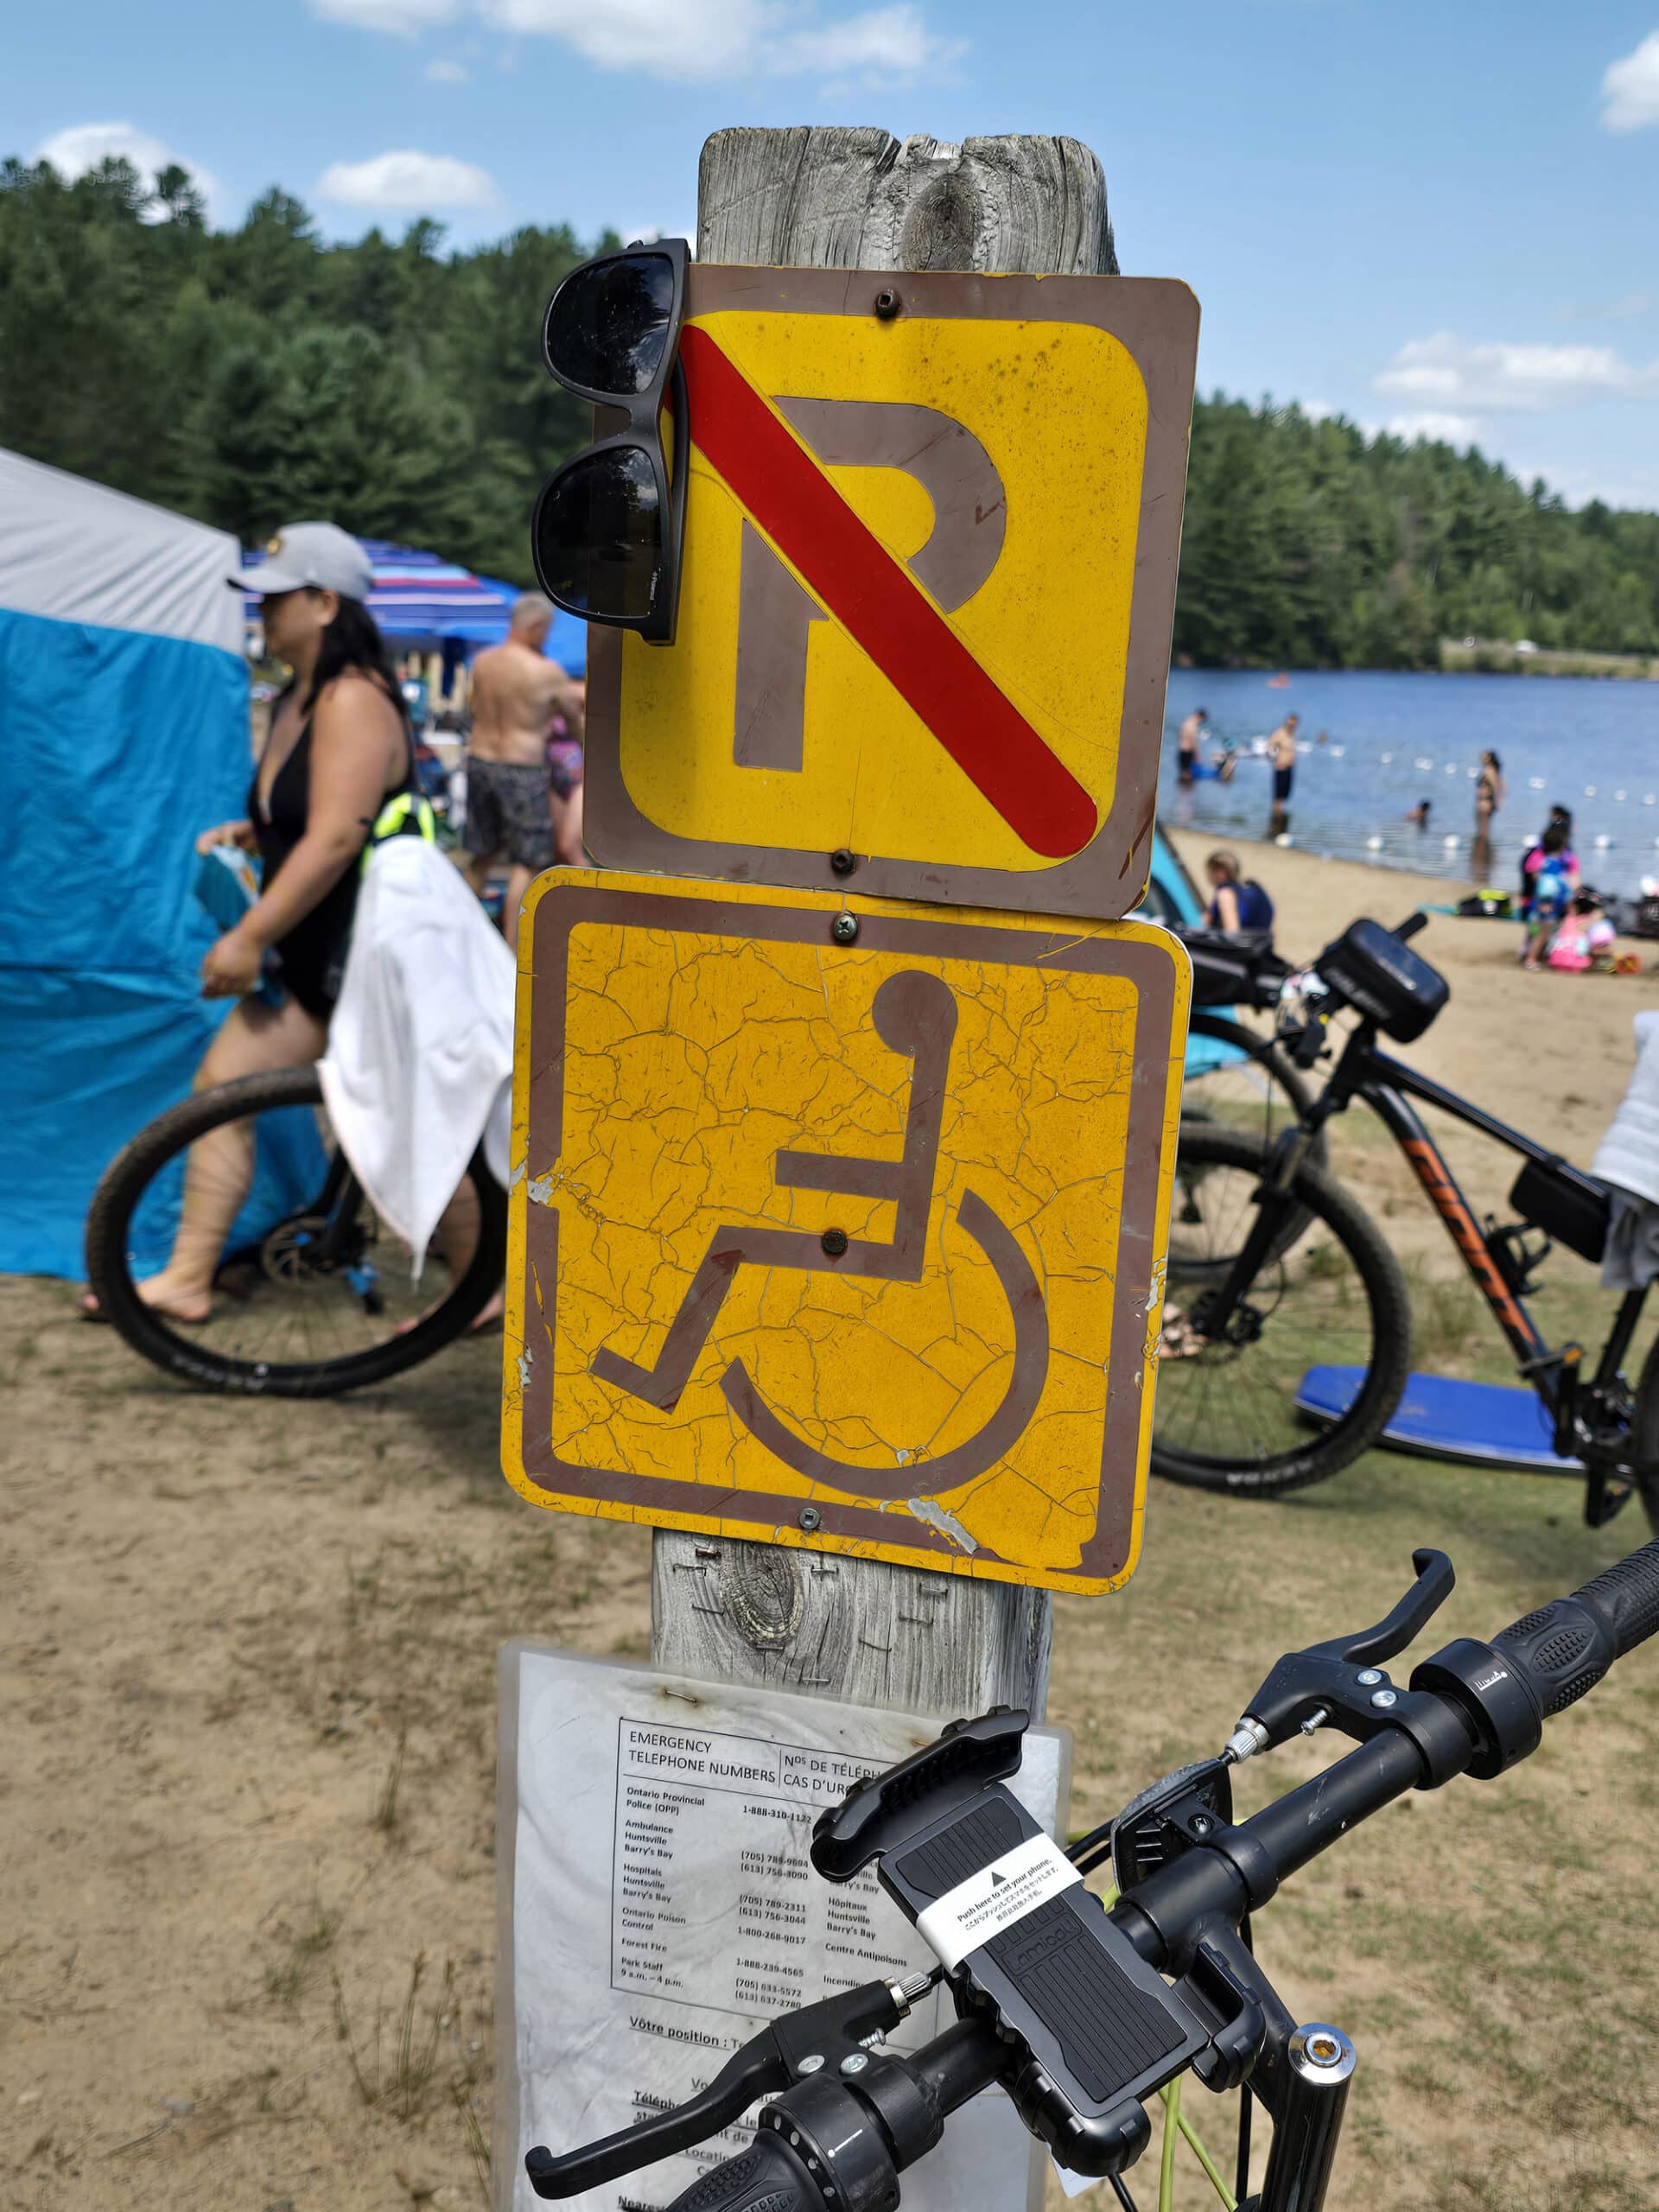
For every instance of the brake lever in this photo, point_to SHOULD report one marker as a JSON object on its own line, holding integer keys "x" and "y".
{"x": 1341, "y": 1682}
{"x": 817, "y": 2038}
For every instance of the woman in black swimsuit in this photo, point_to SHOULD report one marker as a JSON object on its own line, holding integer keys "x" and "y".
{"x": 338, "y": 747}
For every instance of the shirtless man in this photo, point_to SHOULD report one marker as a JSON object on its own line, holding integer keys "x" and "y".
{"x": 1192, "y": 731}
{"x": 1281, "y": 756}
{"x": 516, "y": 692}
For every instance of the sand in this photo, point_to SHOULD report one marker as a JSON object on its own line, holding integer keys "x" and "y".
{"x": 247, "y": 1696}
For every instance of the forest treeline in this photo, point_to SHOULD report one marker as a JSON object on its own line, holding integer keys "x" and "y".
{"x": 251, "y": 375}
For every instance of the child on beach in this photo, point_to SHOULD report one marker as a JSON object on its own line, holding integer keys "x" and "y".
{"x": 1550, "y": 872}
{"x": 1586, "y": 938}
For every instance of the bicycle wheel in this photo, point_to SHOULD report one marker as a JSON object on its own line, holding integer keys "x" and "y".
{"x": 314, "y": 1292}
{"x": 1645, "y": 1433}
{"x": 1238, "y": 1079}
{"x": 1225, "y": 1417}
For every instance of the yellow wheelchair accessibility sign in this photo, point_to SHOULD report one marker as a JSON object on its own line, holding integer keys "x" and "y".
{"x": 841, "y": 1223}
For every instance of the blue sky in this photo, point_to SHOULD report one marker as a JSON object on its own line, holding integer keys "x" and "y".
{"x": 1440, "y": 215}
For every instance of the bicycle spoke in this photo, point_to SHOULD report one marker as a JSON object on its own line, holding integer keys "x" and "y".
{"x": 1233, "y": 1398}
{"x": 305, "y": 1275}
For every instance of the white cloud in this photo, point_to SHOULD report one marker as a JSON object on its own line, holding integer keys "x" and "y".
{"x": 419, "y": 182}
{"x": 447, "y": 73}
{"x": 1442, "y": 430}
{"x": 403, "y": 18}
{"x": 1630, "y": 89}
{"x": 1447, "y": 374}
{"x": 73, "y": 152}
{"x": 687, "y": 40}
{"x": 891, "y": 39}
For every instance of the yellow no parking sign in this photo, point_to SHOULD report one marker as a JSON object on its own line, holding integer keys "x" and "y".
{"x": 840, "y": 1221}
{"x": 931, "y": 541}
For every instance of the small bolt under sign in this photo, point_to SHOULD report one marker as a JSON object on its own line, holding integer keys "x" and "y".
{"x": 886, "y": 304}
{"x": 844, "y": 929}
{"x": 810, "y": 1518}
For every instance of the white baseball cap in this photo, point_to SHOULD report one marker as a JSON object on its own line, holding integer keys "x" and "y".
{"x": 317, "y": 555}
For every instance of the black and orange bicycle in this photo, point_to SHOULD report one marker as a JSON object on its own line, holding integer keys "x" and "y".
{"x": 1286, "y": 1344}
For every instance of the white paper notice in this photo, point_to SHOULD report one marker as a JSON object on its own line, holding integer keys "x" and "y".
{"x": 659, "y": 1908}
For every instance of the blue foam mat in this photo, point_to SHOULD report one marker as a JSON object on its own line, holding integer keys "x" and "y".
{"x": 1486, "y": 1424}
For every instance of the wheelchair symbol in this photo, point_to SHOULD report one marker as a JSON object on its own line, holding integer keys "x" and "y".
{"x": 915, "y": 1016}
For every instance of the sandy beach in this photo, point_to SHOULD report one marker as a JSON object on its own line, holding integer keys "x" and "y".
{"x": 247, "y": 1691}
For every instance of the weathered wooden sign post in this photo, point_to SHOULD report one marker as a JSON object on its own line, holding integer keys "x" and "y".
{"x": 856, "y": 199}
{"x": 844, "y": 1123}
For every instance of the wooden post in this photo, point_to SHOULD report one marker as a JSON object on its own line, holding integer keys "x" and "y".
{"x": 861, "y": 1631}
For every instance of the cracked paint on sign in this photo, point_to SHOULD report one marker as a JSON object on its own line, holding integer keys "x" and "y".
{"x": 724, "y": 1094}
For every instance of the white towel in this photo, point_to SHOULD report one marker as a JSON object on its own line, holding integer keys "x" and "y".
{"x": 419, "y": 1065}
{"x": 1629, "y": 1153}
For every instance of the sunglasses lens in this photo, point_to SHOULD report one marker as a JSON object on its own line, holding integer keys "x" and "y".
{"x": 607, "y": 327}
{"x": 599, "y": 535}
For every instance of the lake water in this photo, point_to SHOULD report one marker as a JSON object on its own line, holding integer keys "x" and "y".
{"x": 1591, "y": 747}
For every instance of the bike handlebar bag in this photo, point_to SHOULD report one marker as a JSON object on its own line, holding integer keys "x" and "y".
{"x": 1570, "y": 1207}
{"x": 1229, "y": 970}
{"x": 1383, "y": 979}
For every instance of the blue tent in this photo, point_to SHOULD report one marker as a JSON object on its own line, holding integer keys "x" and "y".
{"x": 124, "y": 731}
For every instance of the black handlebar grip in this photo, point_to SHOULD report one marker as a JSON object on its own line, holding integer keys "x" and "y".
{"x": 766, "y": 2177}
{"x": 1414, "y": 926}
{"x": 1626, "y": 1598}
{"x": 1565, "y": 1648}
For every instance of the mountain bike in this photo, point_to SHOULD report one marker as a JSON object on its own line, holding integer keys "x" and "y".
{"x": 313, "y": 1290}
{"x": 1276, "y": 1270}
{"x": 1083, "y": 2008}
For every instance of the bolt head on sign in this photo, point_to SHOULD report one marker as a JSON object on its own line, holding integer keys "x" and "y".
{"x": 857, "y": 1245}
{"x": 927, "y": 596}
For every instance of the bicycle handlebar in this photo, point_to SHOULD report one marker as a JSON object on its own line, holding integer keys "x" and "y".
{"x": 1486, "y": 1704}
{"x": 1565, "y": 1648}
{"x": 766, "y": 2177}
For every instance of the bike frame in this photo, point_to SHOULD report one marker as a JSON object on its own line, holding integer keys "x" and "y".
{"x": 1388, "y": 1086}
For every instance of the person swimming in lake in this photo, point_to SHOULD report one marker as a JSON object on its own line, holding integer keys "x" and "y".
{"x": 1187, "y": 742}
{"x": 1489, "y": 792}
{"x": 1281, "y": 758}
{"x": 1418, "y": 815}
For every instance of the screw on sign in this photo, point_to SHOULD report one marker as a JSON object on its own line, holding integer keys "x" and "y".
{"x": 867, "y": 1225}
{"x": 926, "y": 626}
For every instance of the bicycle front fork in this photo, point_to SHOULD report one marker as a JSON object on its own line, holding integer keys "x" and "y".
{"x": 1316, "y": 2069}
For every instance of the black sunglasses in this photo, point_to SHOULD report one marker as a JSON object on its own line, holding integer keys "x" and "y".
{"x": 609, "y": 526}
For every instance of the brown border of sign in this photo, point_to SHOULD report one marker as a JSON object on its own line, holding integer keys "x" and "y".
{"x": 1157, "y": 319}
{"x": 623, "y": 1494}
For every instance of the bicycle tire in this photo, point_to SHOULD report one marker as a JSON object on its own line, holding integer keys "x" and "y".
{"x": 1644, "y": 1431}
{"x": 1280, "y": 1074}
{"x": 1275, "y": 1066}
{"x": 151, "y": 1334}
{"x": 1327, "y": 1450}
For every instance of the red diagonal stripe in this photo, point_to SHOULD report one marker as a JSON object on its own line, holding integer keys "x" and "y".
{"x": 879, "y": 603}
